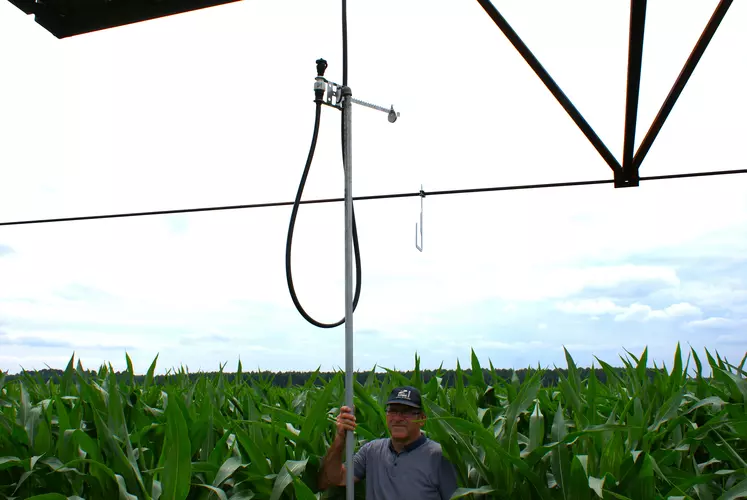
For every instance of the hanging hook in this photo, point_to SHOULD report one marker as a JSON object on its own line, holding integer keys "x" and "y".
{"x": 420, "y": 246}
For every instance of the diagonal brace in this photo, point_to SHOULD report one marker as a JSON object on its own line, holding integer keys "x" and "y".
{"x": 679, "y": 84}
{"x": 629, "y": 175}
{"x": 553, "y": 87}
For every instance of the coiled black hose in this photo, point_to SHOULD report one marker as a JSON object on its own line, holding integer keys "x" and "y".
{"x": 294, "y": 213}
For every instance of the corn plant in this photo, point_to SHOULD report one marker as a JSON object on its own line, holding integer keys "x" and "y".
{"x": 640, "y": 434}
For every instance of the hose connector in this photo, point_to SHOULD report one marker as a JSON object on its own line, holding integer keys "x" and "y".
{"x": 320, "y": 83}
{"x": 321, "y": 67}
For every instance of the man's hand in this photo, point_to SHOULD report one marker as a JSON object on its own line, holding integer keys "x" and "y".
{"x": 333, "y": 470}
{"x": 345, "y": 421}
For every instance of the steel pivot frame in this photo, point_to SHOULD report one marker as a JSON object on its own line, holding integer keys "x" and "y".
{"x": 626, "y": 175}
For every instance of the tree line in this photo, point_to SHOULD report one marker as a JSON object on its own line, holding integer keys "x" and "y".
{"x": 550, "y": 378}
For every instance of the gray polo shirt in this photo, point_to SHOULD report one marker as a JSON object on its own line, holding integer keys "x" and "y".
{"x": 419, "y": 472}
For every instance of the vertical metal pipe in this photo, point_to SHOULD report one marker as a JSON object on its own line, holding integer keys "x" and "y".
{"x": 347, "y": 108}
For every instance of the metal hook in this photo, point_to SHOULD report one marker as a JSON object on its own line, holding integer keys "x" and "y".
{"x": 420, "y": 246}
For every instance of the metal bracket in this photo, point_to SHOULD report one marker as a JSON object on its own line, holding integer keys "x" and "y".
{"x": 420, "y": 246}
{"x": 334, "y": 98}
{"x": 393, "y": 115}
{"x": 334, "y": 91}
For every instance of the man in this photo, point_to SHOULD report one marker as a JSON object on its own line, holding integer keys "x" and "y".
{"x": 406, "y": 466}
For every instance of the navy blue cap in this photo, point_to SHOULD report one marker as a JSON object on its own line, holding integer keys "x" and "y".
{"x": 405, "y": 395}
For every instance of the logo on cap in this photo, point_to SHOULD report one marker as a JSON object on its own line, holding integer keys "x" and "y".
{"x": 404, "y": 394}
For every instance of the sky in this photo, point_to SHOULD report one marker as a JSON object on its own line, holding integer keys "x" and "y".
{"x": 215, "y": 107}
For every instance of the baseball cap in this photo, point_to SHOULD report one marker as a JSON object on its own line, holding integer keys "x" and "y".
{"x": 405, "y": 395}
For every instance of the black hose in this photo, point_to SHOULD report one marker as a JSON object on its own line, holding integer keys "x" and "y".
{"x": 289, "y": 241}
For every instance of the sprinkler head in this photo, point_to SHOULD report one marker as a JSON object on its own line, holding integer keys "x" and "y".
{"x": 392, "y": 116}
{"x": 321, "y": 67}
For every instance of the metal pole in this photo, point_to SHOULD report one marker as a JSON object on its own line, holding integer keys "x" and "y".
{"x": 347, "y": 109}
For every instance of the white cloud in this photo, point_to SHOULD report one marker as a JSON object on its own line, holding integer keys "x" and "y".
{"x": 633, "y": 312}
{"x": 120, "y": 141}
{"x": 642, "y": 312}
{"x": 524, "y": 280}
{"x": 513, "y": 346}
{"x": 590, "y": 306}
{"x": 734, "y": 338}
{"x": 713, "y": 322}
{"x": 682, "y": 309}
{"x": 723, "y": 291}
{"x": 636, "y": 312}
{"x": 601, "y": 347}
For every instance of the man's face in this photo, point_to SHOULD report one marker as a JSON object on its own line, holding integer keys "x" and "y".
{"x": 404, "y": 422}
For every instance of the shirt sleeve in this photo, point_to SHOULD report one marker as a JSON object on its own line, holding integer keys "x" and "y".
{"x": 359, "y": 461}
{"x": 447, "y": 483}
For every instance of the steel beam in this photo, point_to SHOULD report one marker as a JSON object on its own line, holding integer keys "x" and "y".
{"x": 67, "y": 18}
{"x": 679, "y": 84}
{"x": 551, "y": 85}
{"x": 625, "y": 175}
{"x": 629, "y": 174}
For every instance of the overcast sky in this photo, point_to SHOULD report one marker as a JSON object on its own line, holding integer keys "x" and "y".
{"x": 215, "y": 107}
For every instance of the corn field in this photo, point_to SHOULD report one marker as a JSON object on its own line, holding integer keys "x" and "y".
{"x": 644, "y": 433}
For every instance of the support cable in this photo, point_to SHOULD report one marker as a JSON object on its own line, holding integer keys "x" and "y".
{"x": 371, "y": 197}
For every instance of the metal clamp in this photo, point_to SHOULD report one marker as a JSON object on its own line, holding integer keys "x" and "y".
{"x": 334, "y": 98}
{"x": 420, "y": 228}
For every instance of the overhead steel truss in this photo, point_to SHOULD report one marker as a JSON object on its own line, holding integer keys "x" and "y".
{"x": 64, "y": 18}
{"x": 626, "y": 174}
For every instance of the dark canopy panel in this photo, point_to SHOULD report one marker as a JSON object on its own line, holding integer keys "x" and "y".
{"x": 65, "y": 18}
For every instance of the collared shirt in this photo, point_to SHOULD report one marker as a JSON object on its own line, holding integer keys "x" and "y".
{"x": 419, "y": 472}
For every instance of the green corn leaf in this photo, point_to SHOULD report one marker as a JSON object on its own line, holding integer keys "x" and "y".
{"x": 597, "y": 485}
{"x": 676, "y": 376}
{"x": 740, "y": 368}
{"x": 284, "y": 477}
{"x": 666, "y": 433}
{"x": 226, "y": 470}
{"x": 574, "y": 377}
{"x": 242, "y": 495}
{"x": 7, "y": 462}
{"x": 370, "y": 403}
{"x": 737, "y": 491}
{"x": 130, "y": 370}
{"x": 303, "y": 492}
{"x": 214, "y": 491}
{"x": 157, "y": 490}
{"x": 591, "y": 397}
{"x": 536, "y": 428}
{"x": 176, "y": 453}
{"x": 119, "y": 462}
{"x": 416, "y": 380}
{"x": 253, "y": 449}
{"x": 470, "y": 492}
{"x": 578, "y": 483}
{"x": 561, "y": 460}
{"x": 571, "y": 395}
{"x": 149, "y": 376}
{"x": 644, "y": 487}
{"x": 667, "y": 411}
{"x": 524, "y": 397}
{"x": 123, "y": 493}
{"x": 316, "y": 421}
{"x": 488, "y": 442}
{"x": 477, "y": 378}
